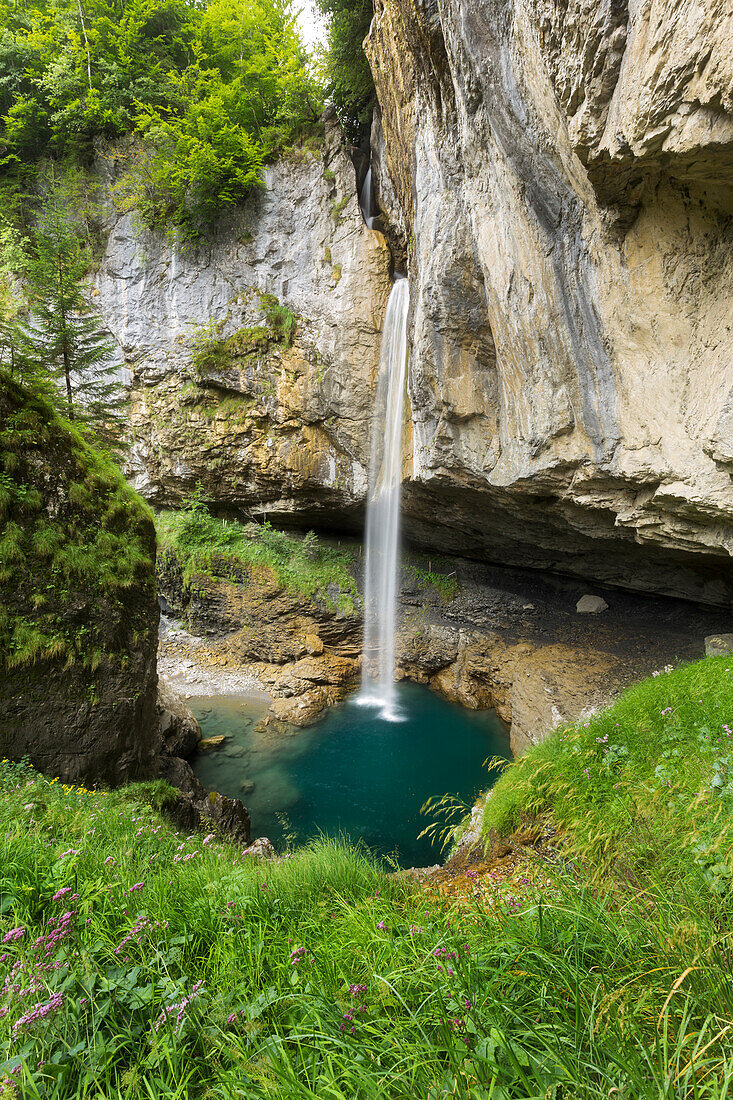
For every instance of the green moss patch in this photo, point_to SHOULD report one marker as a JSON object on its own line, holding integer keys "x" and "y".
{"x": 76, "y": 543}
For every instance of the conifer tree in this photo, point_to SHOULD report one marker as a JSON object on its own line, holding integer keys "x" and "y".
{"x": 67, "y": 336}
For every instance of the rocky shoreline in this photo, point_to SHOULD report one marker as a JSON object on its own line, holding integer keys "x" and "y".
{"x": 511, "y": 640}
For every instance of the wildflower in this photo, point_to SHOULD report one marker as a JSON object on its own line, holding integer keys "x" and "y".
{"x": 357, "y": 990}
{"x": 179, "y": 1009}
{"x": 382, "y": 926}
{"x": 13, "y": 934}
{"x": 39, "y": 1012}
{"x": 137, "y": 886}
{"x": 60, "y": 893}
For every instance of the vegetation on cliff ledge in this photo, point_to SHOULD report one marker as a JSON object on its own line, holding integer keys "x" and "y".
{"x": 140, "y": 963}
{"x": 77, "y": 546}
{"x": 304, "y": 565}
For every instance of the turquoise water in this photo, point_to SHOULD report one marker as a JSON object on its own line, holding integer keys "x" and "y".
{"x": 354, "y": 772}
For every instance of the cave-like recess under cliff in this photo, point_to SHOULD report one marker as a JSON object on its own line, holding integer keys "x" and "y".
{"x": 566, "y": 206}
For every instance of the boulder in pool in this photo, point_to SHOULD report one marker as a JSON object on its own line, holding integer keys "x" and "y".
{"x": 210, "y": 744}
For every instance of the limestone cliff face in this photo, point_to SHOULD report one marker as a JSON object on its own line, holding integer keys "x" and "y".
{"x": 559, "y": 178}
{"x": 561, "y": 175}
{"x": 266, "y": 426}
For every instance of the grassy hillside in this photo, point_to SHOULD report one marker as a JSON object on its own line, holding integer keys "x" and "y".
{"x": 141, "y": 964}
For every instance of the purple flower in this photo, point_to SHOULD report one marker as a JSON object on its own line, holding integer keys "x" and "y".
{"x": 382, "y": 926}
{"x": 39, "y": 1012}
{"x": 137, "y": 886}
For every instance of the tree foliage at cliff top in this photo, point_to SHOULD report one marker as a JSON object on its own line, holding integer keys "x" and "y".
{"x": 211, "y": 90}
{"x": 349, "y": 78}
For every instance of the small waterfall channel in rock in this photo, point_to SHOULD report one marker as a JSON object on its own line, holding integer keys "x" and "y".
{"x": 383, "y": 510}
{"x": 365, "y": 200}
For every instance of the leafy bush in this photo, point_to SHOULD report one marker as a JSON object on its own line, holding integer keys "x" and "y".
{"x": 210, "y": 91}
{"x": 350, "y": 85}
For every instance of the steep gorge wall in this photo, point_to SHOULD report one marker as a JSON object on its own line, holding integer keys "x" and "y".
{"x": 560, "y": 174}
{"x": 559, "y": 177}
{"x": 267, "y": 430}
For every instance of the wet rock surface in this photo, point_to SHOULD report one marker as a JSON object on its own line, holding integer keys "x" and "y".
{"x": 482, "y": 636}
{"x": 513, "y": 640}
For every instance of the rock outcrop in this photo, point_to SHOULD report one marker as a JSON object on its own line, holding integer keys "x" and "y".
{"x": 303, "y": 650}
{"x": 561, "y": 176}
{"x": 514, "y": 640}
{"x": 481, "y": 636}
{"x": 253, "y": 353}
{"x": 78, "y": 607}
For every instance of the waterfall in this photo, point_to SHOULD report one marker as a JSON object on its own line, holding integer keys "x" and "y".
{"x": 383, "y": 509}
{"x": 365, "y": 200}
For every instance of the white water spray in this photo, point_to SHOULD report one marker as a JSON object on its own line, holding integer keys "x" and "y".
{"x": 383, "y": 509}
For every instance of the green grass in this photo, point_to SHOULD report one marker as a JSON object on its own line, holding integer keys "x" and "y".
{"x": 645, "y": 783}
{"x": 302, "y": 564}
{"x": 445, "y": 583}
{"x": 219, "y": 977}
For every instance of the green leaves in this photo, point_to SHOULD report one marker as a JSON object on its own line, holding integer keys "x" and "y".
{"x": 211, "y": 94}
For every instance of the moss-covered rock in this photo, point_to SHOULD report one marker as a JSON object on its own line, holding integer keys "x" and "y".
{"x": 78, "y": 608}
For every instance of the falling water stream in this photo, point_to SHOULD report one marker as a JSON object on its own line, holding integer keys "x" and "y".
{"x": 383, "y": 510}
{"x": 365, "y": 200}
{"x": 365, "y": 769}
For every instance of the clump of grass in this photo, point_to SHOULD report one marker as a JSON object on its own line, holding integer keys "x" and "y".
{"x": 337, "y": 209}
{"x": 281, "y": 321}
{"x": 212, "y": 354}
{"x": 304, "y": 565}
{"x": 445, "y": 583}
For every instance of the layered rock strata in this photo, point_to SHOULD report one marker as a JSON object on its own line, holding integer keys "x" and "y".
{"x": 560, "y": 175}
{"x": 253, "y": 352}
{"x": 303, "y": 652}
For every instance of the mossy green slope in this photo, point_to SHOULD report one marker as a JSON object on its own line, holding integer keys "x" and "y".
{"x": 78, "y": 612}
{"x": 306, "y": 566}
{"x": 144, "y": 964}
